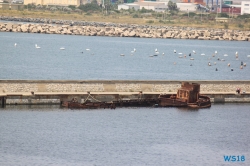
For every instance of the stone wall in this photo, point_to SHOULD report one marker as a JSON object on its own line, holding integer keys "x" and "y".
{"x": 120, "y": 30}
{"x": 21, "y": 86}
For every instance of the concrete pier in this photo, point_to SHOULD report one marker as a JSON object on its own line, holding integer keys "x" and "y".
{"x": 56, "y": 91}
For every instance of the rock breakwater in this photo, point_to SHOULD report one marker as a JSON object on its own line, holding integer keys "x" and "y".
{"x": 66, "y": 27}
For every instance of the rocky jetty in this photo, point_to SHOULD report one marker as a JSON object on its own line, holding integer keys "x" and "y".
{"x": 67, "y": 27}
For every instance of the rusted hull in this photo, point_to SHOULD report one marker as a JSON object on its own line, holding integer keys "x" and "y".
{"x": 167, "y": 102}
{"x": 173, "y": 101}
{"x": 136, "y": 103}
{"x": 90, "y": 105}
{"x": 202, "y": 102}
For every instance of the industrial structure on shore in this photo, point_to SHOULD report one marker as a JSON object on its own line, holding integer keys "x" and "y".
{"x": 232, "y": 7}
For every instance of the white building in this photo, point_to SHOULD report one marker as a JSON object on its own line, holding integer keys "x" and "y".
{"x": 155, "y": 6}
{"x": 127, "y": 6}
{"x": 245, "y": 7}
{"x": 189, "y": 7}
{"x": 53, "y": 2}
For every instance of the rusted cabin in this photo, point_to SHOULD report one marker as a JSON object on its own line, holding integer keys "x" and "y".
{"x": 189, "y": 92}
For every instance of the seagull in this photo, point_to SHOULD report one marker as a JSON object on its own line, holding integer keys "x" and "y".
{"x": 163, "y": 53}
{"x": 209, "y": 64}
{"x": 133, "y": 50}
{"x": 62, "y": 48}
{"x": 180, "y": 53}
{"x": 215, "y": 52}
{"x": 122, "y": 55}
{"x": 194, "y": 52}
{"x": 15, "y": 44}
{"x": 225, "y": 55}
{"x": 189, "y": 54}
{"x": 174, "y": 51}
{"x": 202, "y": 54}
{"x": 88, "y": 49}
{"x": 37, "y": 46}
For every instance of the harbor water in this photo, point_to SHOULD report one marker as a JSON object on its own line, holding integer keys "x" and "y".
{"x": 103, "y": 61}
{"x": 50, "y": 135}
{"x": 124, "y": 136}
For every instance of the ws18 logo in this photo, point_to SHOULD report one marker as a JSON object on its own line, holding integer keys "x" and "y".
{"x": 234, "y": 158}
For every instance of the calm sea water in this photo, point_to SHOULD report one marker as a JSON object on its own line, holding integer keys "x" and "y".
{"x": 40, "y": 135}
{"x": 103, "y": 60}
{"x": 124, "y": 136}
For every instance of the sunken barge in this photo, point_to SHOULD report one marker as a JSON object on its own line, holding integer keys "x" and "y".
{"x": 187, "y": 96}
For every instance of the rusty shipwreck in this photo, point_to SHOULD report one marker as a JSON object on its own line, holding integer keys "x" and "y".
{"x": 188, "y": 95}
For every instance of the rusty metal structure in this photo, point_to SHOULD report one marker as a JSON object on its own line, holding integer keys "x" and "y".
{"x": 187, "y": 96}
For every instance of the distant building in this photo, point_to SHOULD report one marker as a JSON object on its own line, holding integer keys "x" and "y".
{"x": 194, "y": 1}
{"x": 188, "y": 7}
{"x": 155, "y": 6}
{"x": 245, "y": 7}
{"x": 229, "y": 9}
{"x": 53, "y": 2}
{"x": 127, "y": 6}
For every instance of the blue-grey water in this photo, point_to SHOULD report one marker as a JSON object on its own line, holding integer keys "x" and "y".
{"x": 46, "y": 135}
{"x": 124, "y": 136}
{"x": 103, "y": 60}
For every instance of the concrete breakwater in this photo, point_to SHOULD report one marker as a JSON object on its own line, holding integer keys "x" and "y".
{"x": 47, "y": 26}
{"x": 56, "y": 91}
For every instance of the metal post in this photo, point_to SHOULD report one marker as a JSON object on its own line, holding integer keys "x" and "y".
{"x": 232, "y": 12}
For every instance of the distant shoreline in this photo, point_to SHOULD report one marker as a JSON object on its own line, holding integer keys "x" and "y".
{"x": 69, "y": 27}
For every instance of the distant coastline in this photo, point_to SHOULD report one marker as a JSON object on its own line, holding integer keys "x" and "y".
{"x": 69, "y": 27}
